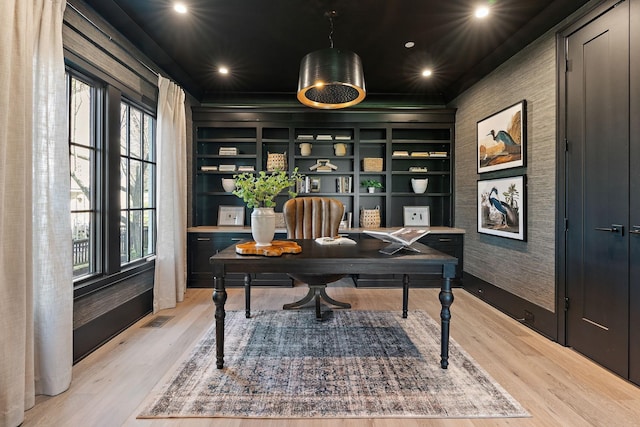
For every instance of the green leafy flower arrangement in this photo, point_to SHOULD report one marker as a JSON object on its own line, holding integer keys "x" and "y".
{"x": 371, "y": 183}
{"x": 259, "y": 190}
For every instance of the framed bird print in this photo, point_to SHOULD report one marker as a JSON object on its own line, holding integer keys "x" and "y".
{"x": 501, "y": 139}
{"x": 502, "y": 205}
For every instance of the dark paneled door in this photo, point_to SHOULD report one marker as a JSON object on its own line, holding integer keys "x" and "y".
{"x": 597, "y": 120}
{"x": 634, "y": 200}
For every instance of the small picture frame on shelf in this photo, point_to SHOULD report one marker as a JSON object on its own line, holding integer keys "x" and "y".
{"x": 231, "y": 216}
{"x": 280, "y": 220}
{"x": 417, "y": 216}
{"x": 314, "y": 185}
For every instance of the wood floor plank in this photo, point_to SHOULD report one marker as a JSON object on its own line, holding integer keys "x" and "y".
{"x": 555, "y": 384}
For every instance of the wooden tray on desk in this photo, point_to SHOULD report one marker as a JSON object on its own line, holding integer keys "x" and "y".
{"x": 277, "y": 248}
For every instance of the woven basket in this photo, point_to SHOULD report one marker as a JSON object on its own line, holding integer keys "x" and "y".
{"x": 370, "y": 218}
{"x": 372, "y": 164}
{"x": 276, "y": 161}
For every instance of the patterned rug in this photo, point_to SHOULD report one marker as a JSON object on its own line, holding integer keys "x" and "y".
{"x": 285, "y": 364}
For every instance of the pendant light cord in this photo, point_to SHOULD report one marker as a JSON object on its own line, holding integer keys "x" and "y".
{"x": 331, "y": 15}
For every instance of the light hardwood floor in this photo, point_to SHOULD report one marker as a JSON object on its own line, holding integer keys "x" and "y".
{"x": 558, "y": 386}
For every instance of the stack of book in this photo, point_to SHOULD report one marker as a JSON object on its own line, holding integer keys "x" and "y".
{"x": 227, "y": 168}
{"x": 208, "y": 168}
{"x": 246, "y": 168}
{"x": 419, "y": 154}
{"x": 324, "y": 138}
{"x": 438, "y": 153}
{"x": 400, "y": 153}
{"x": 344, "y": 184}
{"x": 303, "y": 185}
{"x": 228, "y": 151}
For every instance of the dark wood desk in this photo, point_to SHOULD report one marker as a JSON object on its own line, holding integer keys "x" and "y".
{"x": 345, "y": 259}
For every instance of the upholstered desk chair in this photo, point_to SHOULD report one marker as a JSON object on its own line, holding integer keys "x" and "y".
{"x": 310, "y": 218}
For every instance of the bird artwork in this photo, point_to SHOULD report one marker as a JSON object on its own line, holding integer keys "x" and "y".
{"x": 503, "y": 140}
{"x": 508, "y": 214}
{"x": 503, "y": 137}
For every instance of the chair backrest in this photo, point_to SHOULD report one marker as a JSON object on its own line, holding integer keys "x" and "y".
{"x": 312, "y": 217}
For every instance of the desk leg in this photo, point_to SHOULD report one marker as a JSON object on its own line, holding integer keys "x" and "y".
{"x": 247, "y": 295}
{"x": 446, "y": 299}
{"x": 405, "y": 296}
{"x": 219, "y": 298}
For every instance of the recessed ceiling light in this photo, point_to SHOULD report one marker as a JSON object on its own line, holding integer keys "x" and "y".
{"x": 482, "y": 12}
{"x": 180, "y": 8}
{"x": 409, "y": 45}
{"x": 426, "y": 72}
{"x": 223, "y": 70}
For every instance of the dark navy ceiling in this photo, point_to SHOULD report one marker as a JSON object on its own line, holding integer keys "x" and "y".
{"x": 263, "y": 41}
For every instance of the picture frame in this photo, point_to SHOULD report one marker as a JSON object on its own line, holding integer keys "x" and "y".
{"x": 502, "y": 207}
{"x": 416, "y": 216}
{"x": 231, "y": 216}
{"x": 314, "y": 185}
{"x": 280, "y": 223}
{"x": 502, "y": 139}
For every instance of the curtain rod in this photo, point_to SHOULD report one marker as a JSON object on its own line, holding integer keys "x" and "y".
{"x": 111, "y": 39}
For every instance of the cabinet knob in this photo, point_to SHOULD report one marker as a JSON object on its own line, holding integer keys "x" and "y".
{"x": 204, "y": 239}
{"x": 445, "y": 239}
{"x": 635, "y": 229}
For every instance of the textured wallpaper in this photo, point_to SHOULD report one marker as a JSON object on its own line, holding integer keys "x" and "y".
{"x": 525, "y": 269}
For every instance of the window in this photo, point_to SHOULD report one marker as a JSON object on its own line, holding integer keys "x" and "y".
{"x": 83, "y": 154}
{"x": 112, "y": 199}
{"x": 137, "y": 184}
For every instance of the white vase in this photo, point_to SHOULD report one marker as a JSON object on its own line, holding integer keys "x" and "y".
{"x": 371, "y": 189}
{"x": 419, "y": 185}
{"x": 229, "y": 184}
{"x": 263, "y": 226}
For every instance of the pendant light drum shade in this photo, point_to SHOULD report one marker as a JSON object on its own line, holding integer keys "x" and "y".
{"x": 331, "y": 79}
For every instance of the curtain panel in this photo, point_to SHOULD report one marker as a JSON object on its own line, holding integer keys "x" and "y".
{"x": 36, "y": 291}
{"x": 171, "y": 192}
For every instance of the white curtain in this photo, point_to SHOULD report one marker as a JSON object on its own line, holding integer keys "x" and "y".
{"x": 171, "y": 192}
{"x": 36, "y": 298}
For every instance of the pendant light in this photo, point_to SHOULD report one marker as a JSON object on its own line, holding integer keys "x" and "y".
{"x": 331, "y": 78}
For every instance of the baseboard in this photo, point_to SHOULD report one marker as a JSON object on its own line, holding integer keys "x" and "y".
{"x": 95, "y": 333}
{"x": 537, "y": 318}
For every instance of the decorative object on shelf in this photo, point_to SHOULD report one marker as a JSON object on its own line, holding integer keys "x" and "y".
{"x": 370, "y": 218}
{"x": 208, "y": 168}
{"x": 346, "y": 222}
{"x": 227, "y": 168}
{"x": 418, "y": 169}
{"x": 372, "y": 164}
{"x": 419, "y": 185}
{"x": 502, "y": 139}
{"x": 400, "y": 153}
{"x": 314, "y": 185}
{"x": 323, "y": 165}
{"x": 331, "y": 78}
{"x": 231, "y": 216}
{"x": 228, "y": 184}
{"x": 259, "y": 192}
{"x": 276, "y": 161}
{"x": 502, "y": 207}
{"x": 371, "y": 185}
{"x": 246, "y": 168}
{"x": 279, "y": 221}
{"x": 417, "y": 216}
{"x": 305, "y": 149}
{"x": 340, "y": 149}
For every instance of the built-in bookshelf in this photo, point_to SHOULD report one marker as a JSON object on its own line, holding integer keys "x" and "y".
{"x": 336, "y": 152}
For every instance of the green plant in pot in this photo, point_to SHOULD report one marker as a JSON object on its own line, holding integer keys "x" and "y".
{"x": 371, "y": 185}
{"x": 259, "y": 192}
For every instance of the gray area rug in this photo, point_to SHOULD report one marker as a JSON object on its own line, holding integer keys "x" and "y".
{"x": 285, "y": 364}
